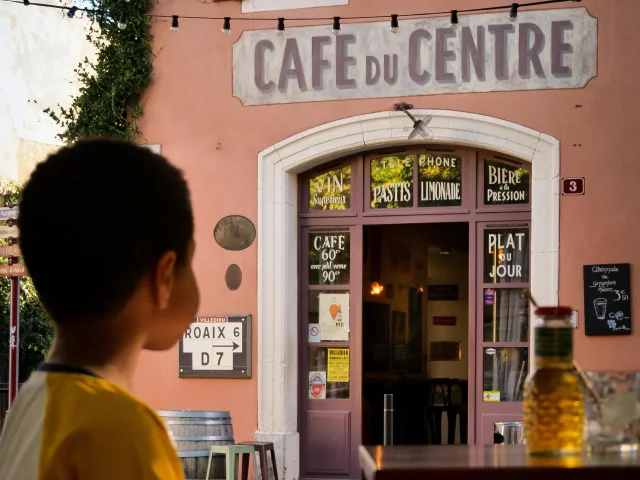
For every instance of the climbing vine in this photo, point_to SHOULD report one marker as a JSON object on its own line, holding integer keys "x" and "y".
{"x": 108, "y": 102}
{"x": 36, "y": 331}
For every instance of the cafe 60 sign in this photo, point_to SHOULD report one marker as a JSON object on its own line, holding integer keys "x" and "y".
{"x": 544, "y": 49}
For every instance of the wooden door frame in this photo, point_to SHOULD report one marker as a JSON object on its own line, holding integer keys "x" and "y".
{"x": 354, "y": 344}
{"x": 473, "y": 212}
{"x": 500, "y": 411}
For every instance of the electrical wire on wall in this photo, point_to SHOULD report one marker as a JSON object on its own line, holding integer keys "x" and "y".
{"x": 280, "y": 21}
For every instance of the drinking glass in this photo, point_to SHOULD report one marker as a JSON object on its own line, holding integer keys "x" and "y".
{"x": 612, "y": 422}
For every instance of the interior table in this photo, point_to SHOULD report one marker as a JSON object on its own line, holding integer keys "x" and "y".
{"x": 489, "y": 462}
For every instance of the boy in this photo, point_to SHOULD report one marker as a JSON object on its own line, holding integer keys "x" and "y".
{"x": 106, "y": 231}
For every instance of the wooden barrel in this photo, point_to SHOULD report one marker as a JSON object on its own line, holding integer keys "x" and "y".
{"x": 194, "y": 432}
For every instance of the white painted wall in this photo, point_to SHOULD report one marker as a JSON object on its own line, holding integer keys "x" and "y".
{"x": 251, "y": 6}
{"x": 40, "y": 49}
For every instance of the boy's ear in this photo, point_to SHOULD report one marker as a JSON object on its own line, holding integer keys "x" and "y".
{"x": 164, "y": 278}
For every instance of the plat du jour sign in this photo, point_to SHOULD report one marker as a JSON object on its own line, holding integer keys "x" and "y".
{"x": 543, "y": 49}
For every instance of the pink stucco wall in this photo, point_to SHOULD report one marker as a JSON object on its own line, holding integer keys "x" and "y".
{"x": 190, "y": 110}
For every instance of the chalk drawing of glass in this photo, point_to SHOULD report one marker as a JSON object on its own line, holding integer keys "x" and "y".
{"x": 600, "y": 304}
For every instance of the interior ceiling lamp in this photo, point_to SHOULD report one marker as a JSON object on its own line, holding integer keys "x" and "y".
{"x": 376, "y": 288}
{"x": 420, "y": 127}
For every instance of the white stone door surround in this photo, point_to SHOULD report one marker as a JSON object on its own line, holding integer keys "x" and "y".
{"x": 278, "y": 168}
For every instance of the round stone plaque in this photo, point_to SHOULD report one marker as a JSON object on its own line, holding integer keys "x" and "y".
{"x": 233, "y": 277}
{"x": 234, "y": 232}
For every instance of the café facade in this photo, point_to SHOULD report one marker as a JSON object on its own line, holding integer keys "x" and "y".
{"x": 372, "y": 199}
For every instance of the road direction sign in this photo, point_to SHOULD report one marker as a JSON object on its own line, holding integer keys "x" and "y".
{"x": 216, "y": 346}
{"x": 8, "y": 232}
{"x": 10, "y": 250}
{"x": 8, "y": 212}
{"x": 15, "y": 270}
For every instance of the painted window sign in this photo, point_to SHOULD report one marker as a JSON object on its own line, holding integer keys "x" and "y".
{"x": 506, "y": 255}
{"x": 331, "y": 190}
{"x": 552, "y": 49}
{"x": 329, "y": 258}
{"x": 505, "y": 184}
{"x": 392, "y": 181}
{"x": 440, "y": 180}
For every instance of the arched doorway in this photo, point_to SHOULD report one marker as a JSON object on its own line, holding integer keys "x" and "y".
{"x": 278, "y": 373}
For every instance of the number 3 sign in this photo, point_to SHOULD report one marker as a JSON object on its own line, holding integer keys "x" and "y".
{"x": 573, "y": 186}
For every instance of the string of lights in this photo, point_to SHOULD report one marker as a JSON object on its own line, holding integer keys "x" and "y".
{"x": 280, "y": 29}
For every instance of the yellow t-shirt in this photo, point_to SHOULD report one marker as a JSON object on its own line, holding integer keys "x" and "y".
{"x": 68, "y": 424}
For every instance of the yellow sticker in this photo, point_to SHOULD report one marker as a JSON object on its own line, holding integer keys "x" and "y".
{"x": 338, "y": 365}
{"x": 490, "y": 396}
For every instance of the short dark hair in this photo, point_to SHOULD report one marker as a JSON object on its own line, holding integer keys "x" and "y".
{"x": 94, "y": 218}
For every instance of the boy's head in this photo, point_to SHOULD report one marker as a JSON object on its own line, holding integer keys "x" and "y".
{"x": 106, "y": 231}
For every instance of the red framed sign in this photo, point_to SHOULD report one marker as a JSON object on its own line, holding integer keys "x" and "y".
{"x": 573, "y": 186}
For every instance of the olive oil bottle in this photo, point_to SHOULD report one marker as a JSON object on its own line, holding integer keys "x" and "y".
{"x": 554, "y": 392}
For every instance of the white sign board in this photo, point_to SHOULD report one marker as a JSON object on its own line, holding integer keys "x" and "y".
{"x": 9, "y": 232}
{"x": 216, "y": 346}
{"x": 8, "y": 212}
{"x": 543, "y": 49}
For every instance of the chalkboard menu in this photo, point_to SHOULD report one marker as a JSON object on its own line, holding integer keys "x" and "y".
{"x": 607, "y": 299}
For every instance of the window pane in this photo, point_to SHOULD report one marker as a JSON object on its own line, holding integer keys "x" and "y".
{"x": 329, "y": 370}
{"x": 328, "y": 317}
{"x": 329, "y": 258}
{"x": 506, "y": 255}
{"x": 331, "y": 190}
{"x": 392, "y": 182}
{"x": 440, "y": 179}
{"x": 505, "y": 184}
{"x": 506, "y": 315}
{"x": 504, "y": 372}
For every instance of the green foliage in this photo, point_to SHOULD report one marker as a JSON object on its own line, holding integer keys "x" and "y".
{"x": 36, "y": 331}
{"x": 108, "y": 103}
{"x": 334, "y": 183}
{"x": 387, "y": 175}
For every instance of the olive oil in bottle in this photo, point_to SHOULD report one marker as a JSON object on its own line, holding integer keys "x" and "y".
{"x": 554, "y": 393}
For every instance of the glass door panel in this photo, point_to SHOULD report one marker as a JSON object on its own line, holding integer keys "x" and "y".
{"x": 331, "y": 300}
{"x": 503, "y": 323}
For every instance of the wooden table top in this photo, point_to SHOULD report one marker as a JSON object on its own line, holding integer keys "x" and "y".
{"x": 488, "y": 462}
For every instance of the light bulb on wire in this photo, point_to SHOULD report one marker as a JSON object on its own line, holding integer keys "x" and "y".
{"x": 174, "y": 23}
{"x": 72, "y": 11}
{"x": 226, "y": 26}
{"x": 454, "y": 19}
{"x": 121, "y": 24}
{"x": 336, "y": 25}
{"x": 513, "y": 14}
{"x": 280, "y": 31}
{"x": 394, "y": 23}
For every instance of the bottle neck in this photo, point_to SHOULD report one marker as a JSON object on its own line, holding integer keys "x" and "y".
{"x": 553, "y": 344}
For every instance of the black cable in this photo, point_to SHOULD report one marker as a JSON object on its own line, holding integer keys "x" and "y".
{"x": 299, "y": 19}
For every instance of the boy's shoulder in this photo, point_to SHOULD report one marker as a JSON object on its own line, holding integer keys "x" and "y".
{"x": 63, "y": 420}
{"x": 83, "y": 402}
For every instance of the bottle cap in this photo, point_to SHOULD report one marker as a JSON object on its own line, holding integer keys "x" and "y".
{"x": 553, "y": 311}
